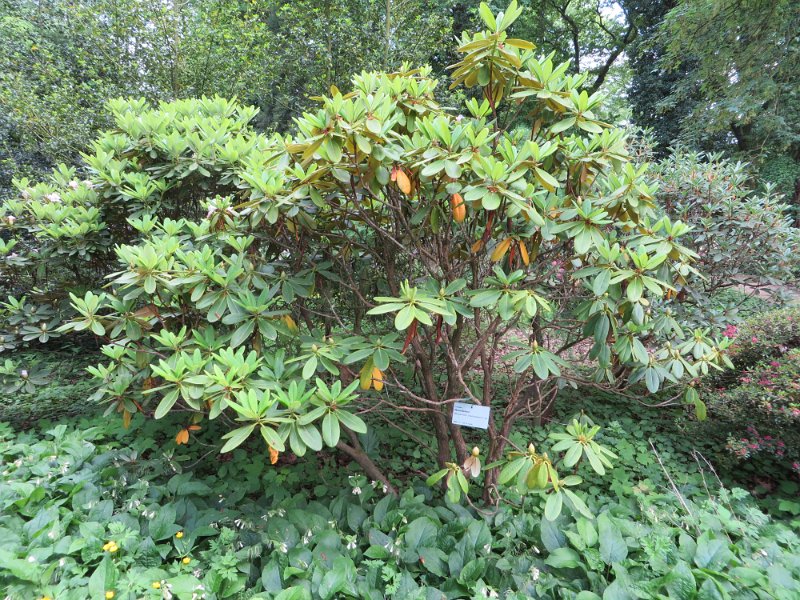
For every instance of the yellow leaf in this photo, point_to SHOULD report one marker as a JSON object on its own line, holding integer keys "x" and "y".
{"x": 377, "y": 379}
{"x": 523, "y": 252}
{"x": 365, "y": 375}
{"x": 476, "y": 247}
{"x": 500, "y": 250}
{"x": 126, "y": 418}
{"x": 290, "y": 323}
{"x": 273, "y": 455}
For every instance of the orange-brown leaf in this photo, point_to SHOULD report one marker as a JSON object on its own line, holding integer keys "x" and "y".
{"x": 377, "y": 379}
{"x": 523, "y": 252}
{"x": 182, "y": 437}
{"x": 273, "y": 455}
{"x": 459, "y": 208}
{"x": 403, "y": 182}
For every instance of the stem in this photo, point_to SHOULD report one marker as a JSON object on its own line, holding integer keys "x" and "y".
{"x": 365, "y": 462}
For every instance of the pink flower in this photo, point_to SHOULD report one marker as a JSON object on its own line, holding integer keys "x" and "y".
{"x": 754, "y": 339}
{"x": 774, "y": 363}
{"x": 730, "y": 331}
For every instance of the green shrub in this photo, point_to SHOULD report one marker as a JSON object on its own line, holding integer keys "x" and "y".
{"x": 740, "y": 236}
{"x": 387, "y": 255}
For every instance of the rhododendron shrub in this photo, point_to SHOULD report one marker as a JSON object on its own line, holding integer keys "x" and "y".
{"x": 389, "y": 257}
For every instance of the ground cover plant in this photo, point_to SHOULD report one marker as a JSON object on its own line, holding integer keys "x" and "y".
{"x": 90, "y": 506}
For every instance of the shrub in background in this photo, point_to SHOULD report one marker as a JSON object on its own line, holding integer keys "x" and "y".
{"x": 740, "y": 236}
{"x": 754, "y": 409}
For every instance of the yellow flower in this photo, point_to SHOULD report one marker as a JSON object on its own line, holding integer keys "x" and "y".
{"x": 179, "y": 535}
{"x": 186, "y": 560}
{"x": 156, "y": 585}
{"x": 45, "y": 598}
{"x": 111, "y": 546}
{"x": 109, "y": 595}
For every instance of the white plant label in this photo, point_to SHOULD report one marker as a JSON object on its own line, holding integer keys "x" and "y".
{"x": 471, "y": 415}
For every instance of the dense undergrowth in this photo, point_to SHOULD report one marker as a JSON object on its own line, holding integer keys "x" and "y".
{"x": 92, "y": 510}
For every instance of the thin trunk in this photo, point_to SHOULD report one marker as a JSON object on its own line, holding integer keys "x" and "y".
{"x": 365, "y": 462}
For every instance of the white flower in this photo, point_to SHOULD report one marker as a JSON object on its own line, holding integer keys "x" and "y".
{"x": 357, "y": 491}
{"x": 283, "y": 547}
{"x": 535, "y": 573}
{"x": 487, "y": 548}
{"x": 31, "y": 559}
{"x": 54, "y": 197}
{"x": 88, "y": 184}
{"x": 73, "y": 185}
{"x": 351, "y": 545}
{"x": 11, "y": 219}
{"x": 535, "y": 549}
{"x": 307, "y": 537}
{"x": 458, "y": 118}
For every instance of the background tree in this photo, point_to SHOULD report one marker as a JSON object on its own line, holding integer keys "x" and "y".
{"x": 742, "y": 72}
{"x": 651, "y": 82}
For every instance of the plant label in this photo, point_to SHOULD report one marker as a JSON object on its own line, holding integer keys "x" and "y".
{"x": 471, "y": 415}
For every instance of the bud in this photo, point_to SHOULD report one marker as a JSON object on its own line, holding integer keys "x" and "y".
{"x": 475, "y": 451}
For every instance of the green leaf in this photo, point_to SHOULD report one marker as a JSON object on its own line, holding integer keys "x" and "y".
{"x": 613, "y": 548}
{"x": 167, "y": 402}
{"x": 236, "y": 437}
{"x": 578, "y": 504}
{"x": 436, "y": 477}
{"x": 404, "y": 318}
{"x": 310, "y": 368}
{"x": 552, "y": 507}
{"x": 563, "y": 558}
{"x": 486, "y": 14}
{"x": 310, "y": 437}
{"x": 296, "y": 592}
{"x": 510, "y": 471}
{"x": 272, "y": 438}
{"x": 330, "y": 429}
{"x": 351, "y": 421}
